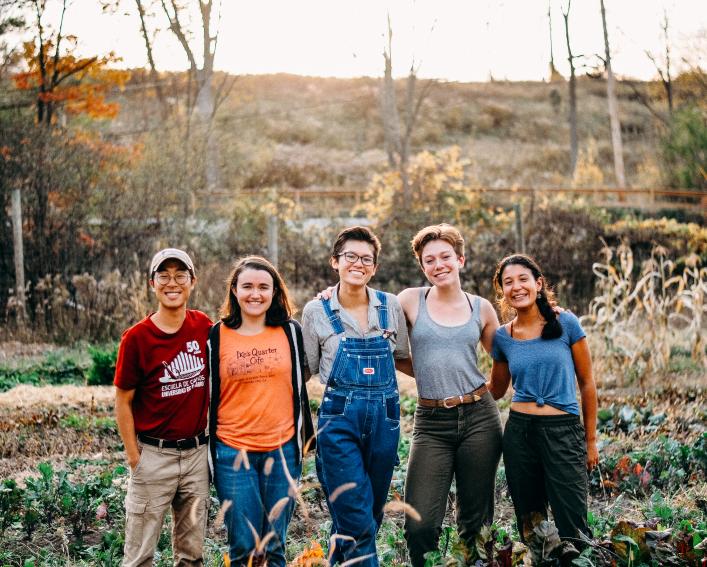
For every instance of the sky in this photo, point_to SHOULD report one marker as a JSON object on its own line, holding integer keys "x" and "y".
{"x": 456, "y": 40}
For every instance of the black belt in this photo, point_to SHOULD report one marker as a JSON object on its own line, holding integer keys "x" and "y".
{"x": 188, "y": 443}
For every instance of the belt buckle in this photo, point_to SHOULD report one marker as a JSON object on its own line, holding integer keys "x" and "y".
{"x": 181, "y": 443}
{"x": 444, "y": 401}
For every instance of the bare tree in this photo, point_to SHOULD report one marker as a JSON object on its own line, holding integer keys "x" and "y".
{"x": 554, "y": 73}
{"x": 613, "y": 106}
{"x": 574, "y": 144}
{"x": 154, "y": 75}
{"x": 664, "y": 72}
{"x": 204, "y": 98}
{"x": 389, "y": 108}
{"x": 397, "y": 142}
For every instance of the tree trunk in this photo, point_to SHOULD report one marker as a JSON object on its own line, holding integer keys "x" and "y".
{"x": 18, "y": 253}
{"x": 154, "y": 76}
{"x": 389, "y": 109}
{"x": 273, "y": 239}
{"x": 574, "y": 144}
{"x": 613, "y": 107}
{"x": 667, "y": 79}
{"x": 553, "y": 70}
{"x": 205, "y": 114}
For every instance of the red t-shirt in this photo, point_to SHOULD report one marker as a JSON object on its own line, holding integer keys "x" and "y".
{"x": 169, "y": 373}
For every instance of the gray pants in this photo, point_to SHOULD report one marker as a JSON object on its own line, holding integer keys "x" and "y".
{"x": 463, "y": 443}
{"x": 546, "y": 461}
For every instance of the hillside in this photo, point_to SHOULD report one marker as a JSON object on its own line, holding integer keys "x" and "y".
{"x": 323, "y": 132}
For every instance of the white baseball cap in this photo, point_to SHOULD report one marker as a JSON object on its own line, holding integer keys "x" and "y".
{"x": 171, "y": 254}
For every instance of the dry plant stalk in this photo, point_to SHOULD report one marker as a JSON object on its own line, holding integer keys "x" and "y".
{"x": 634, "y": 326}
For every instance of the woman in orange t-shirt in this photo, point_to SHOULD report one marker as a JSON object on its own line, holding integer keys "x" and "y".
{"x": 259, "y": 420}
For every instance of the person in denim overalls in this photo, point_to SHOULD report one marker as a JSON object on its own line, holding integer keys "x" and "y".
{"x": 351, "y": 339}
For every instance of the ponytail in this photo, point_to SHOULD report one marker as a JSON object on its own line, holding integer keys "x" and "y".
{"x": 552, "y": 328}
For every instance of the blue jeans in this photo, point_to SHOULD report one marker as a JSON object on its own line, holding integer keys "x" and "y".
{"x": 357, "y": 443}
{"x": 254, "y": 491}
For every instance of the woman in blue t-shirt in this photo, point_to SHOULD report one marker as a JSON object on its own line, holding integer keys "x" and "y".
{"x": 546, "y": 450}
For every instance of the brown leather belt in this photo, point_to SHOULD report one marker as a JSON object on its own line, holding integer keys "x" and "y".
{"x": 454, "y": 401}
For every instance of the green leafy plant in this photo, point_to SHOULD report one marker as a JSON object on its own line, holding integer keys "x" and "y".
{"x": 102, "y": 367}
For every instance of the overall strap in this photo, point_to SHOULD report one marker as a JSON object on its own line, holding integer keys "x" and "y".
{"x": 382, "y": 310}
{"x": 334, "y": 318}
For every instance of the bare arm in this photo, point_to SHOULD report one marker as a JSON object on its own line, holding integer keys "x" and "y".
{"x": 588, "y": 393}
{"x": 500, "y": 379}
{"x": 404, "y": 365}
{"x": 489, "y": 321}
{"x": 126, "y": 424}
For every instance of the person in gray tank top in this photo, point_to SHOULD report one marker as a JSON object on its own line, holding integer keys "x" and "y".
{"x": 457, "y": 432}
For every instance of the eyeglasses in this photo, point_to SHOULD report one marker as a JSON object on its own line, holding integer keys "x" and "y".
{"x": 352, "y": 258}
{"x": 181, "y": 278}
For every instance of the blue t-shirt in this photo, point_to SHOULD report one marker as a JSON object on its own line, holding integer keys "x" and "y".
{"x": 542, "y": 370}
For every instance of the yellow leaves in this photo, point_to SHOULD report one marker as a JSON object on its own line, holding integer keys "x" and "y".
{"x": 439, "y": 185}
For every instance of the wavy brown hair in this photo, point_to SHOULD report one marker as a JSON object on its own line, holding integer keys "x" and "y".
{"x": 278, "y": 313}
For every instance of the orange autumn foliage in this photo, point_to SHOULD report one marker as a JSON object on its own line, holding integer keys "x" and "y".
{"x": 78, "y": 84}
{"x": 310, "y": 556}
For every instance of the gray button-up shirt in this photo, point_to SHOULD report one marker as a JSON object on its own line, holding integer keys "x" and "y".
{"x": 321, "y": 342}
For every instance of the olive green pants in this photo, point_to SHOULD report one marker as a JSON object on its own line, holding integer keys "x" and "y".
{"x": 463, "y": 443}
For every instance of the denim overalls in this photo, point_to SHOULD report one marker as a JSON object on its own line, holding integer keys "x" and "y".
{"x": 357, "y": 439}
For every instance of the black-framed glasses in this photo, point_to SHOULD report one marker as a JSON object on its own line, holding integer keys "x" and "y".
{"x": 181, "y": 278}
{"x": 352, "y": 258}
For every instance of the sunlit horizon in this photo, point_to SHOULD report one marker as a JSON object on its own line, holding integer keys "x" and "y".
{"x": 455, "y": 41}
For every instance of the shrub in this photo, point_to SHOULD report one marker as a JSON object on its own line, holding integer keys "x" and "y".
{"x": 102, "y": 368}
{"x": 685, "y": 148}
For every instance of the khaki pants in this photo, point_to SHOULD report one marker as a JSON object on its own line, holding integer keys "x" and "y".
{"x": 164, "y": 478}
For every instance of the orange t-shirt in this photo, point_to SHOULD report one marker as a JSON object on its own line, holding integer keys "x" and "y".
{"x": 255, "y": 412}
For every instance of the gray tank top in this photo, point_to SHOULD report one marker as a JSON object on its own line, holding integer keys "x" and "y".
{"x": 444, "y": 358}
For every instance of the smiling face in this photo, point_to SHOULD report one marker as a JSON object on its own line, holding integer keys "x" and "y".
{"x": 172, "y": 295}
{"x": 440, "y": 263}
{"x": 354, "y": 274}
{"x": 254, "y": 291}
{"x": 520, "y": 288}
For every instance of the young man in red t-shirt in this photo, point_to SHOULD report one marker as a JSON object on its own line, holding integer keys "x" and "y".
{"x": 161, "y": 406}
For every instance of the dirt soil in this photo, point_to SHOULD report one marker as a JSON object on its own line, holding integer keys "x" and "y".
{"x": 56, "y": 423}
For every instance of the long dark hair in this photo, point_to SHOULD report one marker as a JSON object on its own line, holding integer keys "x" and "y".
{"x": 278, "y": 313}
{"x": 544, "y": 300}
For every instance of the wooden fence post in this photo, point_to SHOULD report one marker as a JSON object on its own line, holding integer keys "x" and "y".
{"x": 18, "y": 253}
